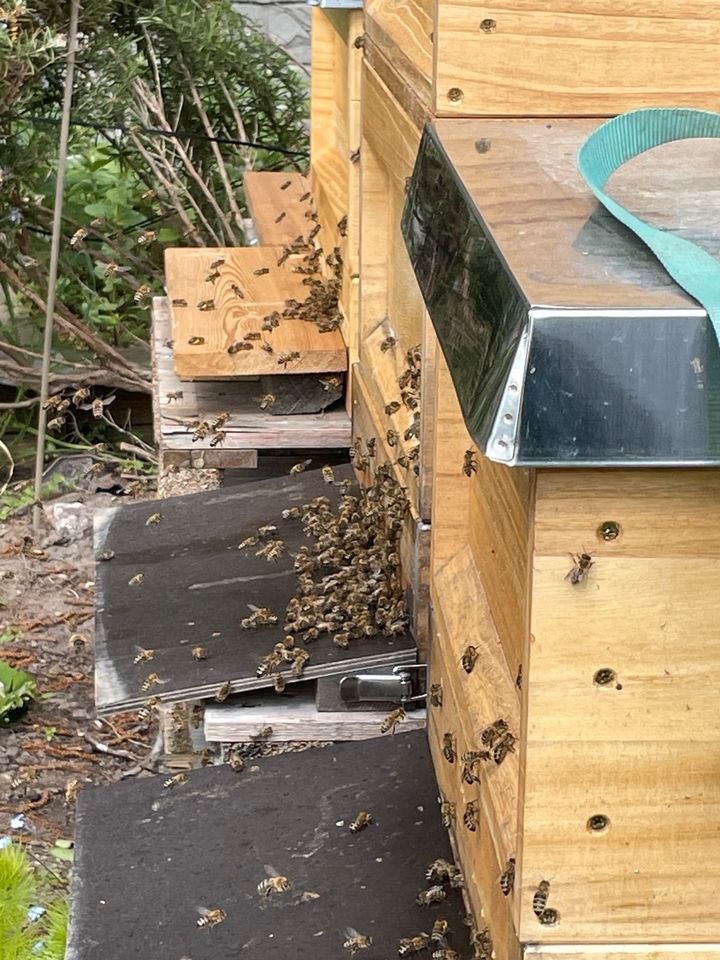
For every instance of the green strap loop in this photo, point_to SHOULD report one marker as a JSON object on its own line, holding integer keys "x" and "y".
{"x": 627, "y": 136}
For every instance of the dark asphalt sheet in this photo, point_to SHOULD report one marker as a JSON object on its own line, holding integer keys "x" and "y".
{"x": 196, "y": 588}
{"x": 148, "y": 856}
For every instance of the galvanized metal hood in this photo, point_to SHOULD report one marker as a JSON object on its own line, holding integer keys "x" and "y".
{"x": 567, "y": 342}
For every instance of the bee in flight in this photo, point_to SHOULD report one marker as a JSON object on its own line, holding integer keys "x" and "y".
{"x": 143, "y": 654}
{"x": 299, "y": 467}
{"x": 273, "y": 883}
{"x": 355, "y": 941}
{"x": 210, "y": 917}
{"x": 362, "y": 820}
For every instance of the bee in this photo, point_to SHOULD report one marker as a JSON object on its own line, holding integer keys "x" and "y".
{"x": 237, "y": 291}
{"x": 299, "y": 467}
{"x": 219, "y": 438}
{"x": 199, "y": 653}
{"x": 342, "y": 226}
{"x": 206, "y": 305}
{"x": 447, "y": 813}
{"x": 274, "y": 883}
{"x": 248, "y": 542}
{"x": 146, "y": 711}
{"x": 149, "y": 194}
{"x": 439, "y": 931}
{"x": 205, "y": 757}
{"x": 388, "y": 343}
{"x": 211, "y": 918}
{"x": 362, "y": 820}
{"x": 304, "y": 197}
{"x": 493, "y": 732}
{"x": 434, "y": 894}
{"x": 280, "y": 217}
{"x": 72, "y": 789}
{"x": 445, "y": 953}
{"x": 201, "y": 431}
{"x": 470, "y": 817}
{"x": 436, "y": 694}
{"x": 153, "y": 519}
{"x": 292, "y": 513}
{"x": 284, "y": 186}
{"x": 300, "y": 658}
{"x": 482, "y": 944}
{"x": 341, "y": 639}
{"x": 410, "y": 945}
{"x": 261, "y": 271}
{"x": 150, "y": 681}
{"x": 77, "y": 238}
{"x": 216, "y": 264}
{"x": 267, "y": 347}
{"x": 134, "y": 581}
{"x": 355, "y": 156}
{"x": 507, "y": 877}
{"x": 267, "y": 402}
{"x": 179, "y": 302}
{"x": 581, "y": 565}
{"x": 449, "y": 747}
{"x": 392, "y": 720}
{"x": 252, "y": 335}
{"x": 391, "y": 408}
{"x": 212, "y": 276}
{"x": 110, "y": 269}
{"x": 284, "y": 359}
{"x": 355, "y": 941}
{"x": 173, "y": 395}
{"x": 328, "y": 475}
{"x": 236, "y": 762}
{"x": 220, "y": 420}
{"x": 440, "y": 870}
{"x": 503, "y": 747}
{"x": 272, "y": 550}
{"x": 469, "y": 659}
{"x": 237, "y": 346}
{"x": 279, "y": 684}
{"x": 77, "y": 641}
{"x": 331, "y": 383}
{"x": 469, "y": 463}
{"x": 540, "y": 898}
{"x": 146, "y": 237}
{"x": 196, "y": 341}
{"x": 519, "y": 678}
{"x": 371, "y": 445}
{"x": 173, "y": 781}
{"x": 549, "y": 917}
{"x": 143, "y": 655}
{"x": 392, "y": 437}
{"x": 223, "y": 692}
{"x": 261, "y": 616}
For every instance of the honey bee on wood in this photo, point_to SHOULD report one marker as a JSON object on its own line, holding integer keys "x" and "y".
{"x": 237, "y": 291}
{"x": 412, "y": 945}
{"x": 219, "y": 438}
{"x": 206, "y": 757}
{"x": 581, "y": 565}
{"x": 285, "y": 185}
{"x": 267, "y": 402}
{"x": 72, "y": 789}
{"x": 393, "y": 407}
{"x": 439, "y": 931}
{"x": 267, "y": 347}
{"x": 392, "y": 437}
{"x": 147, "y": 237}
{"x": 503, "y": 747}
{"x": 261, "y": 271}
{"x": 305, "y": 197}
{"x": 142, "y": 291}
{"x": 206, "y": 305}
{"x": 223, "y": 692}
{"x": 362, "y": 820}
{"x": 264, "y": 733}
{"x": 150, "y": 681}
{"x": 391, "y": 721}
{"x": 173, "y": 395}
{"x": 179, "y": 302}
{"x": 143, "y": 655}
{"x": 216, "y": 264}
{"x": 447, "y": 813}
{"x": 470, "y": 817}
{"x": 77, "y": 238}
{"x": 330, "y": 383}
{"x": 482, "y": 944}
{"x": 238, "y": 346}
{"x": 273, "y": 883}
{"x": 342, "y": 226}
{"x": 235, "y": 761}
{"x": 210, "y": 918}
{"x": 469, "y": 463}
{"x": 201, "y": 431}
{"x": 212, "y": 276}
{"x": 252, "y": 335}
{"x": 355, "y": 156}
{"x": 153, "y": 519}
{"x": 507, "y": 877}
{"x": 434, "y": 894}
{"x": 279, "y": 684}
{"x": 299, "y": 467}
{"x": 280, "y": 217}
{"x": 196, "y": 341}
{"x": 355, "y": 941}
{"x": 469, "y": 658}
{"x": 493, "y": 732}
{"x": 175, "y": 780}
{"x": 519, "y": 677}
{"x": 371, "y": 446}
{"x": 220, "y": 420}
{"x": 341, "y": 639}
{"x": 436, "y": 695}
{"x": 388, "y": 343}
{"x": 448, "y": 748}
{"x": 134, "y": 581}
{"x": 199, "y": 653}
{"x": 540, "y": 898}
{"x": 284, "y": 359}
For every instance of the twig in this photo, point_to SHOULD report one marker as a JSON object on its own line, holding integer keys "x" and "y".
{"x": 104, "y": 748}
{"x": 19, "y": 404}
{"x": 139, "y": 452}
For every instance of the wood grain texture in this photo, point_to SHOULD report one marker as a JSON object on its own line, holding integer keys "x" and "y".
{"x": 267, "y": 201}
{"x": 574, "y": 57}
{"x": 630, "y": 951}
{"x": 232, "y": 317}
{"x": 248, "y": 429}
{"x": 427, "y": 422}
{"x": 402, "y": 30}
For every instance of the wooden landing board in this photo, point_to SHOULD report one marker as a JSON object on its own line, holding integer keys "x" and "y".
{"x": 268, "y": 202}
{"x": 295, "y": 717}
{"x": 249, "y": 428}
{"x": 232, "y": 315}
{"x": 196, "y": 588}
{"x": 147, "y": 857}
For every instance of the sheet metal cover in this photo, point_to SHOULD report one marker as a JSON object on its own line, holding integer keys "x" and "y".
{"x": 147, "y": 857}
{"x": 196, "y": 588}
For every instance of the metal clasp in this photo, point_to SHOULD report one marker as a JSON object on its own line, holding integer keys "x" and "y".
{"x": 400, "y": 686}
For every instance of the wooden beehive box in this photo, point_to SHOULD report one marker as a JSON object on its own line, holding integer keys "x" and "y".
{"x": 564, "y": 345}
{"x": 527, "y": 59}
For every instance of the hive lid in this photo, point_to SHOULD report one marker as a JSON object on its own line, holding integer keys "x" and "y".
{"x": 567, "y": 342}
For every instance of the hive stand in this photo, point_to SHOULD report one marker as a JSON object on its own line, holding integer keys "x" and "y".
{"x": 564, "y": 344}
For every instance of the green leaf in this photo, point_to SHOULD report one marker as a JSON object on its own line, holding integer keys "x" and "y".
{"x": 17, "y": 688}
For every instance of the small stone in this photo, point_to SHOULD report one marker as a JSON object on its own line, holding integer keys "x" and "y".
{"x": 70, "y": 520}
{"x": 12, "y": 752}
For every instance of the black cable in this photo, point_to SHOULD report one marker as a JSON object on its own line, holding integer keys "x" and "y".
{"x": 171, "y": 134}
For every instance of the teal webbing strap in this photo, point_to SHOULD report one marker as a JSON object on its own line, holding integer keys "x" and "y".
{"x": 627, "y": 136}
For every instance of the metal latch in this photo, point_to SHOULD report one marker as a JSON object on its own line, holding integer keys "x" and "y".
{"x": 400, "y": 686}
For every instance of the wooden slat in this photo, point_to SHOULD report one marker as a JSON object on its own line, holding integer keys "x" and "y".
{"x": 580, "y": 58}
{"x": 403, "y": 30}
{"x": 629, "y": 951}
{"x": 248, "y": 429}
{"x": 233, "y": 317}
{"x": 267, "y": 202}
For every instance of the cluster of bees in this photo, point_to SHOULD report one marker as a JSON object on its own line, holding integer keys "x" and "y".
{"x": 58, "y": 406}
{"x": 214, "y": 429}
{"x": 409, "y": 384}
{"x": 348, "y": 580}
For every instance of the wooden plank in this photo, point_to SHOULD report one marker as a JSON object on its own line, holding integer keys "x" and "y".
{"x": 403, "y": 32}
{"x": 412, "y": 106}
{"x": 297, "y": 718}
{"x": 249, "y": 428}
{"x": 629, "y": 951}
{"x": 231, "y": 317}
{"x": 427, "y": 421}
{"x": 580, "y": 58}
{"x": 267, "y": 201}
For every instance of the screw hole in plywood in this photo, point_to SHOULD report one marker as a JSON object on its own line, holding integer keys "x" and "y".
{"x": 609, "y": 530}
{"x": 488, "y": 25}
{"x": 598, "y": 823}
{"x": 604, "y": 676}
{"x": 455, "y": 94}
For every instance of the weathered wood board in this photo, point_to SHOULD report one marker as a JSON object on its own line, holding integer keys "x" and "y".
{"x": 147, "y": 857}
{"x": 239, "y": 299}
{"x": 180, "y": 404}
{"x": 196, "y": 588}
{"x": 278, "y": 214}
